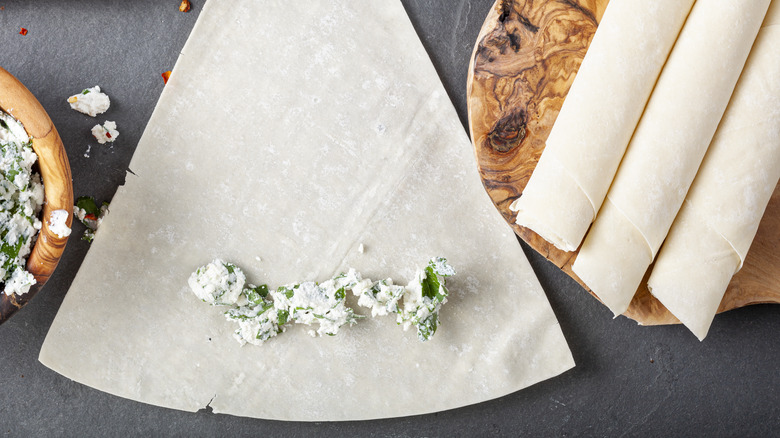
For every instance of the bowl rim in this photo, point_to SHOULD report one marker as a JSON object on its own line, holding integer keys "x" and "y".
{"x": 19, "y": 102}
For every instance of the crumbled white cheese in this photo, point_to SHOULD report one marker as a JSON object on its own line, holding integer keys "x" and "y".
{"x": 219, "y": 283}
{"x": 58, "y": 223}
{"x": 351, "y": 280}
{"x": 255, "y": 323}
{"x": 262, "y": 314}
{"x": 12, "y": 130}
{"x": 361, "y": 248}
{"x": 21, "y": 197}
{"x": 309, "y": 303}
{"x": 440, "y": 267}
{"x": 416, "y": 306}
{"x": 106, "y": 133}
{"x": 381, "y": 297}
{"x": 19, "y": 283}
{"x": 91, "y": 101}
{"x": 80, "y": 213}
{"x": 424, "y": 297}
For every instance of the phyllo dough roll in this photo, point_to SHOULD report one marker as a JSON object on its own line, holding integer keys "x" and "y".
{"x": 667, "y": 148}
{"x": 598, "y": 117}
{"x": 711, "y": 235}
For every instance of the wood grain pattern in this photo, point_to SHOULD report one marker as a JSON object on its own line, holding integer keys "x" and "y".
{"x": 53, "y": 165}
{"x": 524, "y": 62}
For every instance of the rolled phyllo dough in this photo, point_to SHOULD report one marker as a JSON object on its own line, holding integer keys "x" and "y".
{"x": 710, "y": 237}
{"x": 667, "y": 148}
{"x": 598, "y": 117}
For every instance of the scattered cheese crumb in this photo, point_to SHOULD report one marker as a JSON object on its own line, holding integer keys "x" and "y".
{"x": 91, "y": 101}
{"x": 105, "y": 133}
{"x": 58, "y": 223}
{"x": 361, "y": 248}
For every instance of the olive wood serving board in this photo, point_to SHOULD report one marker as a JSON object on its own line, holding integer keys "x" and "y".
{"x": 54, "y": 168}
{"x": 524, "y": 62}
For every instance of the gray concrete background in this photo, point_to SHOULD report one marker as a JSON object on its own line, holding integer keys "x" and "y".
{"x": 629, "y": 380}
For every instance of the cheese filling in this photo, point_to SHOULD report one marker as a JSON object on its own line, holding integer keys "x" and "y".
{"x": 21, "y": 198}
{"x": 262, "y": 314}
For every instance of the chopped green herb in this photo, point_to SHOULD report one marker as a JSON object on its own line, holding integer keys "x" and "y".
{"x": 283, "y": 316}
{"x": 88, "y": 204}
{"x": 424, "y": 299}
{"x": 256, "y": 295}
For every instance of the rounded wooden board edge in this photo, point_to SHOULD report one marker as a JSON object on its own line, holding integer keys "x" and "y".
{"x": 54, "y": 167}
{"x": 513, "y": 101}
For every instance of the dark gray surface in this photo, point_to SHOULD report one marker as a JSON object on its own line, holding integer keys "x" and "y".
{"x": 629, "y": 380}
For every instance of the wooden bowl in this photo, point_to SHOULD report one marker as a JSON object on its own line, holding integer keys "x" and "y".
{"x": 525, "y": 59}
{"x": 17, "y": 100}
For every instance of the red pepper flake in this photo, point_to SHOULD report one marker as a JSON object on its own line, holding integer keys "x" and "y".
{"x": 185, "y": 6}
{"x": 166, "y": 75}
{"x": 108, "y": 135}
{"x": 23, "y": 31}
{"x": 90, "y": 216}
